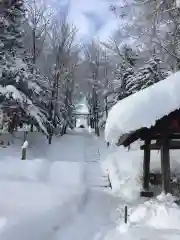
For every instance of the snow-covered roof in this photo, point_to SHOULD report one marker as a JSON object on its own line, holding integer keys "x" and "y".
{"x": 143, "y": 108}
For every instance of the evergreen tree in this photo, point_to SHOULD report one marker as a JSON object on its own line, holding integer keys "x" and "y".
{"x": 20, "y": 93}
{"x": 14, "y": 13}
{"x": 152, "y": 72}
{"x": 124, "y": 70}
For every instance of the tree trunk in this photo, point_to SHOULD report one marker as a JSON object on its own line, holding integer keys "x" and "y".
{"x": 64, "y": 130}
{"x": 32, "y": 127}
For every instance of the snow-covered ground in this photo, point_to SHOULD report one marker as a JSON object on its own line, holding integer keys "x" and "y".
{"x": 158, "y": 218}
{"x": 39, "y": 195}
{"x": 59, "y": 192}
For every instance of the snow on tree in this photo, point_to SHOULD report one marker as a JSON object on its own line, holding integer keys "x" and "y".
{"x": 38, "y": 15}
{"x": 94, "y": 59}
{"x": 124, "y": 70}
{"x": 154, "y": 27}
{"x": 126, "y": 116}
{"x": 63, "y": 99}
{"x": 152, "y": 72}
{"x": 19, "y": 95}
{"x": 17, "y": 92}
{"x": 177, "y": 3}
{"x": 62, "y": 84}
{"x": 13, "y": 12}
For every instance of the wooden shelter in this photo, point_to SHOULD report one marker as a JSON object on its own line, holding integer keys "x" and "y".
{"x": 166, "y": 135}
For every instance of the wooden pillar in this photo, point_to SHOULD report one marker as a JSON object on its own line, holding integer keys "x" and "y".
{"x": 165, "y": 165}
{"x": 146, "y": 165}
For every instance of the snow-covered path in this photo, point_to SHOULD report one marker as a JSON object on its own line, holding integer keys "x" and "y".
{"x": 96, "y": 213}
{"x": 59, "y": 193}
{"x": 93, "y": 220}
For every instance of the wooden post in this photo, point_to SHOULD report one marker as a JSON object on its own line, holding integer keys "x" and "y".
{"x": 23, "y": 153}
{"x": 50, "y": 131}
{"x": 23, "y": 156}
{"x": 50, "y": 138}
{"x": 125, "y": 214}
{"x": 165, "y": 165}
{"x": 25, "y": 135}
{"x": 146, "y": 165}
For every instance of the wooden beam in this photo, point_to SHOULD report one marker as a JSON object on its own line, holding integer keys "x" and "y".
{"x": 165, "y": 165}
{"x": 175, "y": 145}
{"x": 146, "y": 165}
{"x": 170, "y": 136}
{"x": 127, "y": 139}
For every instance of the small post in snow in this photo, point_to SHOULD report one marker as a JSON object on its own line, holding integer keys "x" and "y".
{"x": 50, "y": 138}
{"x": 50, "y": 131}
{"x": 23, "y": 153}
{"x": 109, "y": 180}
{"x": 125, "y": 214}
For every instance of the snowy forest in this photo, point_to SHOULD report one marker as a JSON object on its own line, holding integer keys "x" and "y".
{"x": 89, "y": 119}
{"x": 45, "y": 70}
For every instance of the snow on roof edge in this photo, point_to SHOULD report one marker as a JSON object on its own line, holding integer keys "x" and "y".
{"x": 143, "y": 108}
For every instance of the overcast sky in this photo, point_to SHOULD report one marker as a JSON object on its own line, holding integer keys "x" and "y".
{"x": 92, "y": 17}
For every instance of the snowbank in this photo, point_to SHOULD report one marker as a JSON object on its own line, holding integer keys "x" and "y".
{"x": 160, "y": 213}
{"x": 37, "y": 197}
{"x": 27, "y": 198}
{"x": 42, "y": 224}
{"x": 125, "y": 169}
{"x": 157, "y": 218}
{"x": 36, "y": 185}
{"x": 16, "y": 169}
{"x": 126, "y": 115}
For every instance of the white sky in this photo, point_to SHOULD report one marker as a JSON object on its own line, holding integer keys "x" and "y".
{"x": 92, "y": 17}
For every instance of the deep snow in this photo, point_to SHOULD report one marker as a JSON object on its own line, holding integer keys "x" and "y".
{"x": 158, "y": 218}
{"x": 61, "y": 192}
{"x": 53, "y": 196}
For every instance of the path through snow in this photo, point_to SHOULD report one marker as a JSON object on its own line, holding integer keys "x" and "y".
{"x": 59, "y": 193}
{"x": 97, "y": 212}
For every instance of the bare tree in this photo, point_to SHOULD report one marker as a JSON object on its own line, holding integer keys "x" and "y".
{"x": 93, "y": 57}
{"x": 39, "y": 19}
{"x": 154, "y": 26}
{"x": 66, "y": 59}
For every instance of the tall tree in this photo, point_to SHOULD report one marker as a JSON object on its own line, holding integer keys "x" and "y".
{"x": 93, "y": 54}
{"x": 39, "y": 17}
{"x": 17, "y": 89}
{"x": 154, "y": 27}
{"x": 66, "y": 59}
{"x": 151, "y": 73}
{"x": 13, "y": 13}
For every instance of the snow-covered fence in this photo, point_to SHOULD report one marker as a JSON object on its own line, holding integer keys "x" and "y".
{"x": 23, "y": 153}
